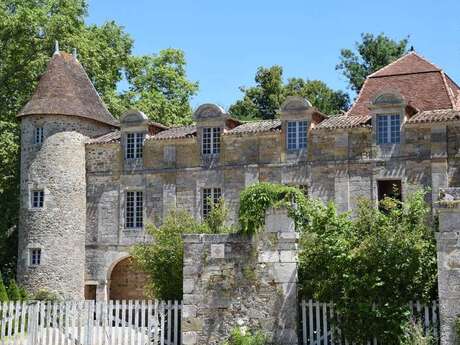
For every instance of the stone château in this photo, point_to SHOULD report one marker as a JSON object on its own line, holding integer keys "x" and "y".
{"x": 90, "y": 183}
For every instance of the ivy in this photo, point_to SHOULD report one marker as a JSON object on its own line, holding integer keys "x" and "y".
{"x": 258, "y": 198}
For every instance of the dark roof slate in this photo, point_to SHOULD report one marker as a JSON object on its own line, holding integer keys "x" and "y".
{"x": 65, "y": 89}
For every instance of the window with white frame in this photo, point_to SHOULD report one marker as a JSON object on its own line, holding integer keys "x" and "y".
{"x": 134, "y": 210}
{"x": 211, "y": 141}
{"x": 38, "y": 135}
{"x": 209, "y": 198}
{"x": 134, "y": 145}
{"x": 37, "y": 198}
{"x": 296, "y": 135}
{"x": 388, "y": 129}
{"x": 35, "y": 256}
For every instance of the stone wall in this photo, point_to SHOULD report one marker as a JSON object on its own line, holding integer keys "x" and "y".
{"x": 448, "y": 245}
{"x": 233, "y": 280}
{"x": 56, "y": 166}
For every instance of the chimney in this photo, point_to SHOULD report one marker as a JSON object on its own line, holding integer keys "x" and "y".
{"x": 74, "y": 53}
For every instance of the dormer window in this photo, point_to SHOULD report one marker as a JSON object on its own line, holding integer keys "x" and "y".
{"x": 296, "y": 135}
{"x": 388, "y": 128}
{"x": 38, "y": 135}
{"x": 134, "y": 145}
{"x": 211, "y": 141}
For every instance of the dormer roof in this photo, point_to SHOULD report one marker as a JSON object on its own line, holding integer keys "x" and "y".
{"x": 421, "y": 84}
{"x": 65, "y": 89}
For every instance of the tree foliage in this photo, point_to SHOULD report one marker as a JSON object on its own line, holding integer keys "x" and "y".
{"x": 370, "y": 54}
{"x": 264, "y": 100}
{"x": 162, "y": 259}
{"x": 385, "y": 256}
{"x": 156, "y": 84}
{"x": 14, "y": 293}
{"x": 243, "y": 336}
{"x": 3, "y": 293}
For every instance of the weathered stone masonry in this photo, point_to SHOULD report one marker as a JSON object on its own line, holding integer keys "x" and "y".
{"x": 85, "y": 174}
{"x": 233, "y": 280}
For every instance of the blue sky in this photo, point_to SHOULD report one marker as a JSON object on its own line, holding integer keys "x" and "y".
{"x": 225, "y": 41}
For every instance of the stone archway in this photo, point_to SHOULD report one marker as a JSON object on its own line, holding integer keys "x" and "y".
{"x": 126, "y": 281}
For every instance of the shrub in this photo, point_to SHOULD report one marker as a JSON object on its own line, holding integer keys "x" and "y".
{"x": 45, "y": 295}
{"x": 14, "y": 293}
{"x": 3, "y": 293}
{"x": 414, "y": 335}
{"x": 241, "y": 336}
{"x": 162, "y": 259}
{"x": 385, "y": 255}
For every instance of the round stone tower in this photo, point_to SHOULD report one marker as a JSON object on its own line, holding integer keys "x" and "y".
{"x": 63, "y": 113}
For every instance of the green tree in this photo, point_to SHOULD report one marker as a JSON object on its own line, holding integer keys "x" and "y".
{"x": 28, "y": 30}
{"x": 264, "y": 100}
{"x": 3, "y": 293}
{"x": 370, "y": 54}
{"x": 385, "y": 256}
{"x": 14, "y": 294}
{"x": 159, "y": 87}
{"x": 162, "y": 260}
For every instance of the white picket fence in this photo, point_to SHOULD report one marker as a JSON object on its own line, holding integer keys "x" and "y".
{"x": 317, "y": 327}
{"x": 90, "y": 323}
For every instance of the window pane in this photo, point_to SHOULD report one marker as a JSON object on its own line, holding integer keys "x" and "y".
{"x": 130, "y": 140}
{"x": 216, "y": 141}
{"x": 382, "y": 129}
{"x": 206, "y": 144}
{"x": 302, "y": 134}
{"x": 38, "y": 198}
{"x": 38, "y": 135}
{"x": 35, "y": 256}
{"x": 292, "y": 135}
{"x": 139, "y": 145}
{"x": 139, "y": 209}
{"x": 395, "y": 129}
{"x": 207, "y": 195}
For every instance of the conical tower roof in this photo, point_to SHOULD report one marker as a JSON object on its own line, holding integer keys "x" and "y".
{"x": 65, "y": 89}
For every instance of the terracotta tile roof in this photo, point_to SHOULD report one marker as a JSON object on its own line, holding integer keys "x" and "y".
{"x": 440, "y": 115}
{"x": 410, "y": 63}
{"x": 256, "y": 127}
{"x": 65, "y": 89}
{"x": 112, "y": 137}
{"x": 344, "y": 121}
{"x": 176, "y": 133}
{"x": 422, "y": 85}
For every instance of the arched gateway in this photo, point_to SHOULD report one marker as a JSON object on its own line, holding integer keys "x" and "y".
{"x": 126, "y": 281}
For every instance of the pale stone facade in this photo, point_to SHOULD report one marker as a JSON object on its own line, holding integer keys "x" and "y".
{"x": 88, "y": 178}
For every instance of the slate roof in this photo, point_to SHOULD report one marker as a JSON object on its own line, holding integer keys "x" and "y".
{"x": 65, "y": 89}
{"x": 344, "y": 121}
{"x": 256, "y": 127}
{"x": 420, "y": 83}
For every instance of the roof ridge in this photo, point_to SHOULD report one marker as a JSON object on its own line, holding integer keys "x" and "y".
{"x": 412, "y": 53}
{"x": 448, "y": 90}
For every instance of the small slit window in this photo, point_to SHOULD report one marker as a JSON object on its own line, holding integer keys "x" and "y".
{"x": 38, "y": 198}
{"x": 38, "y": 135}
{"x": 35, "y": 256}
